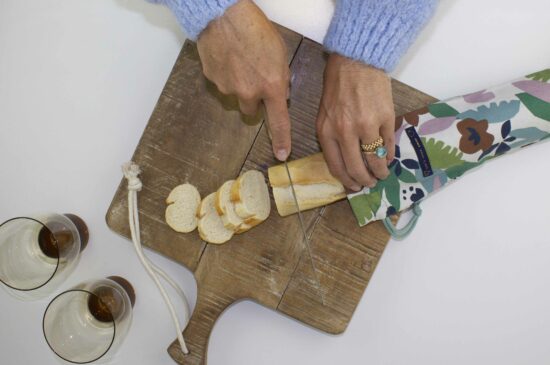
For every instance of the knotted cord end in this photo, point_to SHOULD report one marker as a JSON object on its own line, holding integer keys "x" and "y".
{"x": 131, "y": 172}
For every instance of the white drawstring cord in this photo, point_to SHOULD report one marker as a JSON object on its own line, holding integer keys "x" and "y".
{"x": 131, "y": 172}
{"x": 157, "y": 269}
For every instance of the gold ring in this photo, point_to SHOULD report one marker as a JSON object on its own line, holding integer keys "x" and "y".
{"x": 373, "y": 146}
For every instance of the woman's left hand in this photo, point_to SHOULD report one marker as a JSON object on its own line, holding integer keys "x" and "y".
{"x": 356, "y": 108}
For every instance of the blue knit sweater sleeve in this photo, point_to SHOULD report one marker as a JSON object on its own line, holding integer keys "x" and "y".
{"x": 377, "y": 32}
{"x": 194, "y": 15}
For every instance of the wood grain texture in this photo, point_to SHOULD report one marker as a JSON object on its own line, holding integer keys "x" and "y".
{"x": 196, "y": 135}
{"x": 345, "y": 255}
{"x": 184, "y": 142}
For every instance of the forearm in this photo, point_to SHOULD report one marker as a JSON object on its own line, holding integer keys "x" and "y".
{"x": 194, "y": 15}
{"x": 377, "y": 32}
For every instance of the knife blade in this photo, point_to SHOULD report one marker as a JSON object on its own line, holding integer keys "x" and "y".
{"x": 305, "y": 239}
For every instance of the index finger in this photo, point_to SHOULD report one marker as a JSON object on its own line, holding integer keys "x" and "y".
{"x": 279, "y": 124}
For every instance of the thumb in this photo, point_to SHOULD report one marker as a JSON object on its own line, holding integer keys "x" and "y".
{"x": 279, "y": 125}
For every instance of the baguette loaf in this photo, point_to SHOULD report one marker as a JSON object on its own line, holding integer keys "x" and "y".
{"x": 313, "y": 183}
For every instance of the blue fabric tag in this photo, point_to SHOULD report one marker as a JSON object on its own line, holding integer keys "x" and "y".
{"x": 420, "y": 152}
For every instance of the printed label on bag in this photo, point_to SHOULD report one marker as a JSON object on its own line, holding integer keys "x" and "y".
{"x": 421, "y": 154}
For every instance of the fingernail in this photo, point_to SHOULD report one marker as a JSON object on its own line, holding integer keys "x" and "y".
{"x": 281, "y": 154}
{"x": 355, "y": 188}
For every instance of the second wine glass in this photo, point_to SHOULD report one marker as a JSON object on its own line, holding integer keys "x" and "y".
{"x": 89, "y": 322}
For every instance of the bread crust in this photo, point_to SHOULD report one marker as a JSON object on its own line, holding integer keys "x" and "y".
{"x": 311, "y": 178}
{"x": 218, "y": 203}
{"x": 243, "y": 228}
{"x": 202, "y": 214}
{"x": 312, "y": 169}
{"x": 236, "y": 198}
{"x": 287, "y": 206}
{"x": 171, "y": 198}
{"x": 235, "y": 195}
{"x": 222, "y": 210}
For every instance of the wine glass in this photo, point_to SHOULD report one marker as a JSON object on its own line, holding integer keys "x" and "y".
{"x": 89, "y": 322}
{"x": 38, "y": 253}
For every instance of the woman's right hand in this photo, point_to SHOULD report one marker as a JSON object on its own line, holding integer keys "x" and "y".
{"x": 244, "y": 55}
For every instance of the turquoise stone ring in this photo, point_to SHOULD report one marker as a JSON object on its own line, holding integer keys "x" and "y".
{"x": 376, "y": 148}
{"x": 381, "y": 152}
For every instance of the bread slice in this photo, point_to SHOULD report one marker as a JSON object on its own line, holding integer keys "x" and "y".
{"x": 181, "y": 213}
{"x": 313, "y": 183}
{"x": 226, "y": 208}
{"x": 211, "y": 228}
{"x": 250, "y": 195}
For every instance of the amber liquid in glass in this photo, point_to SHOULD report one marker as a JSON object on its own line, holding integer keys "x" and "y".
{"x": 58, "y": 238}
{"x": 105, "y": 305}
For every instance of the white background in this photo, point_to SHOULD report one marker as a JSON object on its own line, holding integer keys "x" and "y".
{"x": 78, "y": 82}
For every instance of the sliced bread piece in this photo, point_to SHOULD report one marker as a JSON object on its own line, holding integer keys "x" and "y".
{"x": 181, "y": 213}
{"x": 250, "y": 195}
{"x": 211, "y": 228}
{"x": 226, "y": 209}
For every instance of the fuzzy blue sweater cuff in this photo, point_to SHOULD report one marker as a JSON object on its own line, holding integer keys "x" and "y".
{"x": 377, "y": 32}
{"x": 194, "y": 15}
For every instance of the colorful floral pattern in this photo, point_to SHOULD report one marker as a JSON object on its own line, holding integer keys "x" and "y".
{"x": 474, "y": 135}
{"x": 412, "y": 118}
{"x": 458, "y": 135}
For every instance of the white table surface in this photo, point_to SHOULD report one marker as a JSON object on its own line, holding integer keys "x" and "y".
{"x": 78, "y": 82}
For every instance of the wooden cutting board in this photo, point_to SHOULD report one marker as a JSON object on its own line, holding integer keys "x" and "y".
{"x": 197, "y": 135}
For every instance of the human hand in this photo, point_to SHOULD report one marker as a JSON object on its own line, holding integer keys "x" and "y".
{"x": 356, "y": 108}
{"x": 244, "y": 55}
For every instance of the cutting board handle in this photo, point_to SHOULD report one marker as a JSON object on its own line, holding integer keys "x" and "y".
{"x": 197, "y": 334}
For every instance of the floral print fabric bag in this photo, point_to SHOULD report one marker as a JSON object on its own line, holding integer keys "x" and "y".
{"x": 439, "y": 143}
